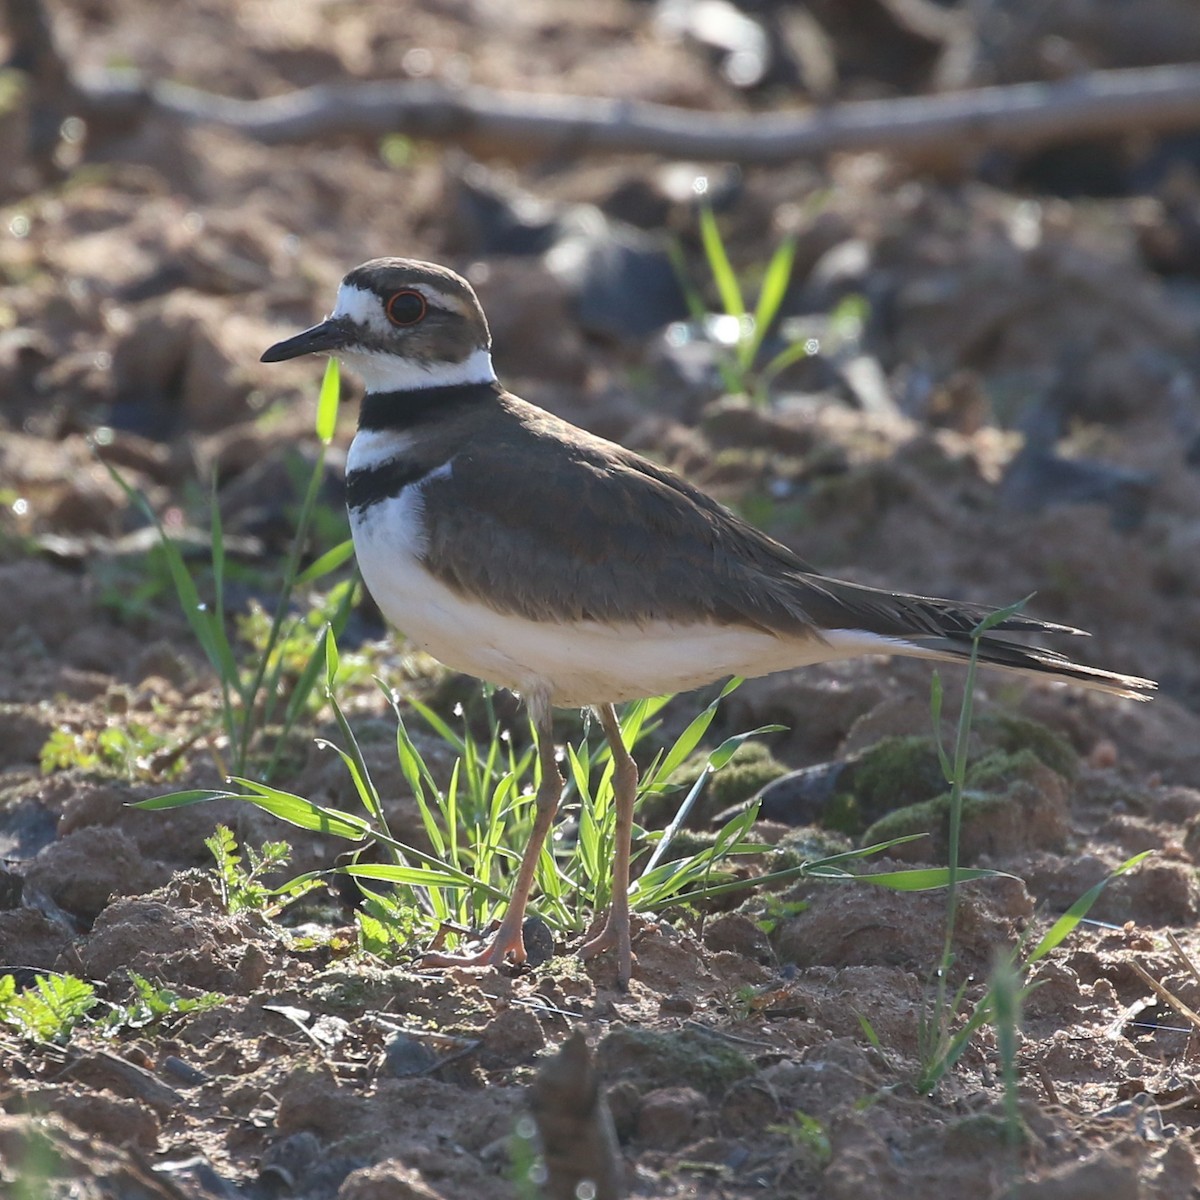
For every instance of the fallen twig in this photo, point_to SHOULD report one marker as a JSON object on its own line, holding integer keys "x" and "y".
{"x": 491, "y": 122}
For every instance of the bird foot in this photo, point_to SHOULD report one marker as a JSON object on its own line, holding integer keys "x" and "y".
{"x": 614, "y": 936}
{"x": 508, "y": 945}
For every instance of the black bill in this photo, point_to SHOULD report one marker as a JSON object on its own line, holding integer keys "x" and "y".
{"x": 320, "y": 339}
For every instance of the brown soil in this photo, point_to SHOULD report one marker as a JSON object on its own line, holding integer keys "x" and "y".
{"x": 769, "y": 1049}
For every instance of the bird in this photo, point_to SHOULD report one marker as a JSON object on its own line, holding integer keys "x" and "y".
{"x": 518, "y": 548}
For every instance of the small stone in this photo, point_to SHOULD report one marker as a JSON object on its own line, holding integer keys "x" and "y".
{"x": 671, "y": 1117}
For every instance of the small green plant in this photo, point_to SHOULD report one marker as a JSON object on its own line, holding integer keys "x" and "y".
{"x": 945, "y": 1030}
{"x": 944, "y": 1036}
{"x": 56, "y": 1005}
{"x": 387, "y": 928}
{"x": 242, "y": 889}
{"x": 526, "y": 1167}
{"x": 49, "y": 1010}
{"x": 775, "y": 909}
{"x": 36, "y": 1163}
{"x": 132, "y": 587}
{"x": 288, "y": 655}
{"x": 397, "y": 151}
{"x": 152, "y": 1004}
{"x": 252, "y": 692}
{"x": 808, "y": 1136}
{"x": 131, "y": 750}
{"x": 738, "y": 331}
{"x": 1007, "y": 995}
{"x": 477, "y": 825}
{"x": 935, "y": 1033}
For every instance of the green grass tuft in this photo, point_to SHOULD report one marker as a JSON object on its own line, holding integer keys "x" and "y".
{"x": 270, "y": 687}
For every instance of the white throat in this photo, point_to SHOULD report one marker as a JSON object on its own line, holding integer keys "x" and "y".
{"x": 391, "y": 373}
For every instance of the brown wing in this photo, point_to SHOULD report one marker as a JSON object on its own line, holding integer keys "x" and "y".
{"x": 561, "y": 525}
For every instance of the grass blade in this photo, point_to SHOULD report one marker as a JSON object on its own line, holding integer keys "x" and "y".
{"x": 926, "y": 879}
{"x": 440, "y": 727}
{"x": 686, "y": 742}
{"x": 329, "y": 561}
{"x": 728, "y": 748}
{"x": 775, "y": 283}
{"x": 770, "y": 297}
{"x": 723, "y": 273}
{"x": 410, "y": 876}
{"x": 327, "y": 402}
{"x": 296, "y": 810}
{"x": 784, "y": 359}
{"x": 181, "y": 799}
{"x": 1065, "y": 924}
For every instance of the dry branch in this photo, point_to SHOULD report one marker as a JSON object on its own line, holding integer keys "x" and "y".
{"x": 508, "y": 123}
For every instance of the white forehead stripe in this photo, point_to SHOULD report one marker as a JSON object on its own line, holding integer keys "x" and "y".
{"x": 361, "y": 306}
{"x": 365, "y": 306}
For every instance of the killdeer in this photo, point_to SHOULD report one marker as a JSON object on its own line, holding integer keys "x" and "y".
{"x": 516, "y": 547}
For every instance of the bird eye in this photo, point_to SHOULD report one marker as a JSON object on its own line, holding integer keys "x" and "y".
{"x": 406, "y": 308}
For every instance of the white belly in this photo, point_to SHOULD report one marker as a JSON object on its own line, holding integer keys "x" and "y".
{"x": 574, "y": 664}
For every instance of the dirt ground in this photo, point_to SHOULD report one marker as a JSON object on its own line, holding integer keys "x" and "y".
{"x": 1019, "y": 412}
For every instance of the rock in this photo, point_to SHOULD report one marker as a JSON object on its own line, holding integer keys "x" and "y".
{"x": 182, "y": 364}
{"x": 671, "y": 1117}
{"x": 84, "y": 870}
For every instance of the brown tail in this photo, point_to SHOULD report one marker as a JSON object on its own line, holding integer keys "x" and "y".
{"x": 875, "y": 621}
{"x": 1030, "y": 660}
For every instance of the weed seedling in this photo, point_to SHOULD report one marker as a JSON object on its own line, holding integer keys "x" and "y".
{"x": 132, "y": 750}
{"x": 739, "y": 332}
{"x": 56, "y": 1005}
{"x": 476, "y": 826}
{"x": 251, "y": 691}
{"x": 49, "y": 1010}
{"x": 152, "y": 1004}
{"x": 809, "y": 1138}
{"x": 242, "y": 889}
{"x": 946, "y": 1029}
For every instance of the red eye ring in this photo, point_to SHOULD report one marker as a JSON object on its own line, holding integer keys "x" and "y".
{"x": 401, "y": 309}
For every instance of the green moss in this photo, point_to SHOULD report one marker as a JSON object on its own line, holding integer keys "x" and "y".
{"x": 999, "y": 770}
{"x": 929, "y": 817}
{"x": 843, "y": 814}
{"x": 990, "y": 785}
{"x": 684, "y": 1059}
{"x": 750, "y": 769}
{"x": 567, "y": 968}
{"x": 688, "y": 842}
{"x": 894, "y": 773}
{"x": 806, "y": 844}
{"x": 1008, "y": 731}
{"x": 897, "y": 770}
{"x": 902, "y": 776}
{"x": 365, "y": 987}
{"x": 342, "y": 991}
{"x": 747, "y": 772}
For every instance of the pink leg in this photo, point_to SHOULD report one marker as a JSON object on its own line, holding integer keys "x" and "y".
{"x": 508, "y": 943}
{"x": 615, "y": 934}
